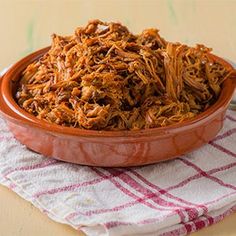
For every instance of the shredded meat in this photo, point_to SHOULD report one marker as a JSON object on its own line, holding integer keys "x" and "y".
{"x": 105, "y": 78}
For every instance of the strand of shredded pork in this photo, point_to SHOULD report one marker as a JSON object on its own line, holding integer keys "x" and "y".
{"x": 105, "y": 78}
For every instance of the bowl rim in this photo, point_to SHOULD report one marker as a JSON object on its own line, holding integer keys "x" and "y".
{"x": 13, "y": 111}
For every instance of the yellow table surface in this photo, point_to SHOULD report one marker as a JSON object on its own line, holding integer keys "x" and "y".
{"x": 26, "y": 25}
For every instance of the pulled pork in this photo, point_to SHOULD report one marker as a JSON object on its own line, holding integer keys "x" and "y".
{"x": 105, "y": 78}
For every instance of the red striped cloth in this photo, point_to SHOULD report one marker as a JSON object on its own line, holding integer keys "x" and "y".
{"x": 171, "y": 198}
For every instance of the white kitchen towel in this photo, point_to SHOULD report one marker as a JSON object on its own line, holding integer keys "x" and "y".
{"x": 170, "y": 198}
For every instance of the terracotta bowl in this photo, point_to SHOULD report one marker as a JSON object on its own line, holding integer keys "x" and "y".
{"x": 108, "y": 148}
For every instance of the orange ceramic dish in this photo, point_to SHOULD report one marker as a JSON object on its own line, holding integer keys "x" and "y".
{"x": 109, "y": 148}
